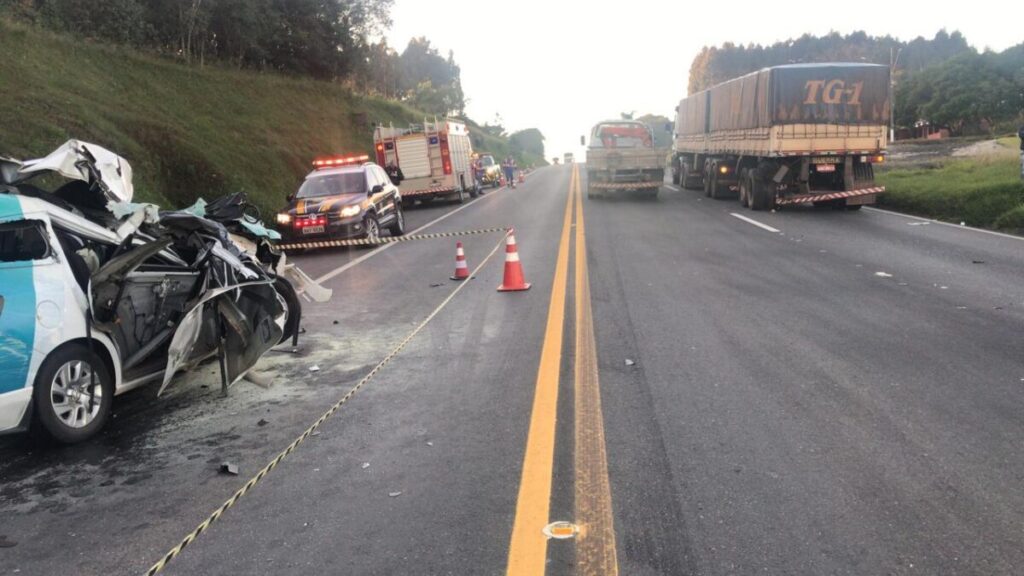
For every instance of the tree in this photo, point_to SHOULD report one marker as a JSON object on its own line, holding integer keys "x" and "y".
{"x": 530, "y": 141}
{"x": 966, "y": 94}
{"x": 422, "y": 66}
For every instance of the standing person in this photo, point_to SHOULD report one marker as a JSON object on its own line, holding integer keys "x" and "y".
{"x": 510, "y": 171}
{"x": 478, "y": 174}
{"x": 394, "y": 173}
{"x": 1020, "y": 134}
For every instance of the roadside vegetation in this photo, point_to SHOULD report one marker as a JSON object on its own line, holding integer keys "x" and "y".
{"x": 189, "y": 131}
{"x": 979, "y": 189}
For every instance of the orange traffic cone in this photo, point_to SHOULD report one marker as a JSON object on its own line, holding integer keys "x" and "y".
{"x": 513, "y": 280}
{"x": 522, "y": 177}
{"x": 503, "y": 183}
{"x": 461, "y": 269}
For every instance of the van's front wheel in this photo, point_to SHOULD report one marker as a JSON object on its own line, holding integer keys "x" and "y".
{"x": 72, "y": 394}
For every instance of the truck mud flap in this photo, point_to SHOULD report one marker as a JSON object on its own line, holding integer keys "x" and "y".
{"x": 824, "y": 197}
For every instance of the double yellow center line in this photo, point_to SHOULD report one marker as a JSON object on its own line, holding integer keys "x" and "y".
{"x": 595, "y": 543}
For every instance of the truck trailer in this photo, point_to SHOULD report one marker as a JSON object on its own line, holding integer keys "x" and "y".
{"x": 785, "y": 135}
{"x": 433, "y": 158}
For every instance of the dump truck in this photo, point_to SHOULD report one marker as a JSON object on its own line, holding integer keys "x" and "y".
{"x": 621, "y": 157}
{"x": 434, "y": 159}
{"x": 786, "y": 135}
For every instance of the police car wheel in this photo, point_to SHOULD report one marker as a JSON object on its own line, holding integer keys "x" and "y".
{"x": 72, "y": 394}
{"x": 397, "y": 228}
{"x": 372, "y": 228}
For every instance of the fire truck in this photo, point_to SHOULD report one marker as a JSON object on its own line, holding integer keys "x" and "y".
{"x": 434, "y": 159}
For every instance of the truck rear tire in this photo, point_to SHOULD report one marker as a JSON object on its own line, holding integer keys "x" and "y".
{"x": 688, "y": 181}
{"x": 708, "y": 181}
{"x": 760, "y": 195}
{"x": 744, "y": 189}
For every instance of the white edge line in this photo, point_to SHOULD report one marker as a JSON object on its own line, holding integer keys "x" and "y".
{"x": 755, "y": 223}
{"x": 940, "y": 222}
{"x": 375, "y": 251}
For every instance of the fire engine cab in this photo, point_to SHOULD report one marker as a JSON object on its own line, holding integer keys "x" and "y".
{"x": 433, "y": 158}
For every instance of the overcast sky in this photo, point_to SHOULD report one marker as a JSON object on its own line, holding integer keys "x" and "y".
{"x": 560, "y": 65}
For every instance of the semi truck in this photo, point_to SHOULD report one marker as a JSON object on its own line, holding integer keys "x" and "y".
{"x": 434, "y": 159}
{"x": 621, "y": 157}
{"x": 786, "y": 135}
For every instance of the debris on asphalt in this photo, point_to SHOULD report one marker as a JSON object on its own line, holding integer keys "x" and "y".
{"x": 431, "y": 444}
{"x": 883, "y": 274}
{"x": 315, "y": 433}
{"x": 962, "y": 223}
{"x": 365, "y": 465}
{"x": 961, "y": 307}
{"x": 943, "y": 287}
{"x": 229, "y": 468}
{"x": 336, "y": 322}
{"x": 7, "y": 543}
{"x": 436, "y": 285}
{"x": 904, "y": 284}
{"x": 918, "y": 223}
{"x": 977, "y": 261}
{"x": 395, "y": 494}
{"x": 314, "y": 368}
{"x": 629, "y": 362}
{"x": 262, "y": 422}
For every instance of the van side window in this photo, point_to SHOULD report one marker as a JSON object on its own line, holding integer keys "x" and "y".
{"x": 23, "y": 241}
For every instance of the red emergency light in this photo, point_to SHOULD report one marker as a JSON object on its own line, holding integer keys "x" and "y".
{"x": 333, "y": 161}
{"x": 311, "y": 221}
{"x": 446, "y": 157}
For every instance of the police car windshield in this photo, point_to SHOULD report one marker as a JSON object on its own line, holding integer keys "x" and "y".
{"x": 333, "y": 185}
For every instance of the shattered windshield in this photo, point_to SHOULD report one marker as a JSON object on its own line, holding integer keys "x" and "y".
{"x": 333, "y": 185}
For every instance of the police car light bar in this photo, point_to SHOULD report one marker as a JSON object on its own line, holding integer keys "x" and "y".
{"x": 339, "y": 161}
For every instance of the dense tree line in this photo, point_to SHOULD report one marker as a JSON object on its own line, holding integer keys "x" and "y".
{"x": 325, "y": 39}
{"x": 319, "y": 38}
{"x": 942, "y": 81}
{"x": 971, "y": 93}
{"x": 718, "y": 64}
{"x": 419, "y": 75}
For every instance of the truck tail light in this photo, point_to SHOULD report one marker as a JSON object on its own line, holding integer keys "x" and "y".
{"x": 380, "y": 154}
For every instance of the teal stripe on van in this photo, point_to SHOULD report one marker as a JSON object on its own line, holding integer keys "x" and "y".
{"x": 17, "y": 311}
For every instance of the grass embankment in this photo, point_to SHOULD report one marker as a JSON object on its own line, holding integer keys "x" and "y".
{"x": 983, "y": 190}
{"x": 187, "y": 131}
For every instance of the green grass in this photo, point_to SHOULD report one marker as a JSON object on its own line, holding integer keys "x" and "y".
{"x": 984, "y": 191}
{"x": 187, "y": 131}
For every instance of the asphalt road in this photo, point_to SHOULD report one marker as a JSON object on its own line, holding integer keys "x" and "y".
{"x": 839, "y": 393}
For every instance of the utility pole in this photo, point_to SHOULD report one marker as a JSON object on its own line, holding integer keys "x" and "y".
{"x": 894, "y": 58}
